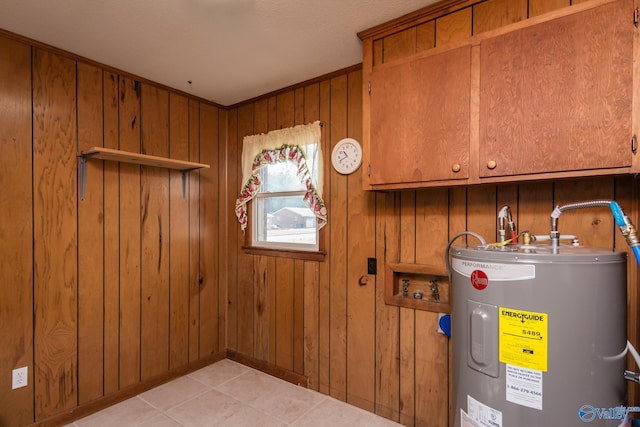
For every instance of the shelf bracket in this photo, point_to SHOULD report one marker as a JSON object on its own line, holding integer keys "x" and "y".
{"x": 184, "y": 183}
{"x": 83, "y": 175}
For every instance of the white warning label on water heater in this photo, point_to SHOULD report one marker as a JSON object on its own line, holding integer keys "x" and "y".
{"x": 524, "y": 386}
{"x": 482, "y": 414}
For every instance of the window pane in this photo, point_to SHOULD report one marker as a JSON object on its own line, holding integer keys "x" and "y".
{"x": 282, "y": 176}
{"x": 285, "y": 219}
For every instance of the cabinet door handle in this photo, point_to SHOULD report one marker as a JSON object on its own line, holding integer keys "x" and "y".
{"x": 455, "y": 167}
{"x": 491, "y": 164}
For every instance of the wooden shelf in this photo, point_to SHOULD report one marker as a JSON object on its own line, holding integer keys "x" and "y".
{"x": 141, "y": 159}
{"x": 102, "y": 153}
{"x": 421, "y": 277}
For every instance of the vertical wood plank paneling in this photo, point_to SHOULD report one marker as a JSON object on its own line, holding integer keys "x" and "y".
{"x": 284, "y": 278}
{"x": 431, "y": 347}
{"x": 338, "y": 255}
{"x": 16, "y": 232}
{"x": 360, "y": 286}
{"x": 178, "y": 235}
{"x": 387, "y": 374}
{"x": 481, "y": 211}
{"x": 298, "y": 316}
{"x": 262, "y": 310}
{"x": 90, "y": 239}
{"x": 111, "y": 229}
{"x": 324, "y": 97}
{"x": 130, "y": 235}
{"x": 194, "y": 233}
{"x": 247, "y": 292}
{"x": 154, "y": 324}
{"x": 272, "y": 307}
{"x": 223, "y": 214}
{"x": 233, "y": 153}
{"x": 592, "y": 226}
{"x": 535, "y": 204}
{"x": 209, "y": 231}
{"x": 407, "y": 316}
{"x": 55, "y": 249}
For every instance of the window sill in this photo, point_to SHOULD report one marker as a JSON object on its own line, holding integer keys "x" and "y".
{"x": 304, "y": 255}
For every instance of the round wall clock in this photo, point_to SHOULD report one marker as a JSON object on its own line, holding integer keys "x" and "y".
{"x": 346, "y": 156}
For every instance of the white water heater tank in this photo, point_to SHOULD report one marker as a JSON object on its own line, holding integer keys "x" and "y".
{"x": 539, "y": 336}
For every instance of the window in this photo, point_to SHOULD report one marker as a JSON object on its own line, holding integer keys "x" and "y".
{"x": 281, "y": 175}
{"x": 282, "y": 219}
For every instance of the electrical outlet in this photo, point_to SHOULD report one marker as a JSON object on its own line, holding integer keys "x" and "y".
{"x": 19, "y": 377}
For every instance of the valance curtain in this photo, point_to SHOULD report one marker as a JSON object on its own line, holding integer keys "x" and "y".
{"x": 300, "y": 144}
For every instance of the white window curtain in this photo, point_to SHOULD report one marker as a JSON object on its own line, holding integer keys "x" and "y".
{"x": 301, "y": 144}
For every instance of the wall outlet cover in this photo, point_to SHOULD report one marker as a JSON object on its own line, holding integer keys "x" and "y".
{"x": 19, "y": 377}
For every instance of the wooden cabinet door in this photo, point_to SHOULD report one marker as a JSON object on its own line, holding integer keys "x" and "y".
{"x": 420, "y": 119}
{"x": 557, "y": 96}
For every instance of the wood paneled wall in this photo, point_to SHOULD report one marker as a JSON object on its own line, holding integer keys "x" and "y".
{"x": 316, "y": 319}
{"x": 345, "y": 340}
{"x": 103, "y": 296}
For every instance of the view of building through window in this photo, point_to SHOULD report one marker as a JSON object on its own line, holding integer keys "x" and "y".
{"x": 282, "y": 218}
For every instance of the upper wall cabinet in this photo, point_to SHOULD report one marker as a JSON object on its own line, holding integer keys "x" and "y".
{"x": 407, "y": 145}
{"x": 557, "y": 96}
{"x": 547, "y": 97}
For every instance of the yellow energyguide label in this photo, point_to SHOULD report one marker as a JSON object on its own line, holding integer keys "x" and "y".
{"x": 523, "y": 339}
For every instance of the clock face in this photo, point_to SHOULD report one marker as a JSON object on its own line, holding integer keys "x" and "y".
{"x": 346, "y": 156}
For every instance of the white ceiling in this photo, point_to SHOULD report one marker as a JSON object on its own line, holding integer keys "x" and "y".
{"x": 231, "y": 50}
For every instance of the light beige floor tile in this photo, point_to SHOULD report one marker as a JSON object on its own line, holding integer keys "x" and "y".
{"x": 174, "y": 393}
{"x": 161, "y": 421}
{"x": 331, "y": 412}
{"x": 128, "y": 413}
{"x": 271, "y": 395}
{"x": 219, "y": 372}
{"x": 214, "y": 408}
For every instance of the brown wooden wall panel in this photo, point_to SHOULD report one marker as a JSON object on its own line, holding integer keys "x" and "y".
{"x": 154, "y": 214}
{"x": 16, "y": 232}
{"x": 130, "y": 234}
{"x": 111, "y": 227}
{"x": 209, "y": 265}
{"x": 233, "y": 153}
{"x": 90, "y": 239}
{"x": 178, "y": 235}
{"x": 338, "y": 240}
{"x": 387, "y": 373}
{"x": 80, "y": 267}
{"x": 246, "y": 291}
{"x": 194, "y": 233}
{"x": 360, "y": 285}
{"x": 55, "y": 246}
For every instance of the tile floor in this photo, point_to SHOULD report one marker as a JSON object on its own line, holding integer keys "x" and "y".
{"x": 230, "y": 394}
